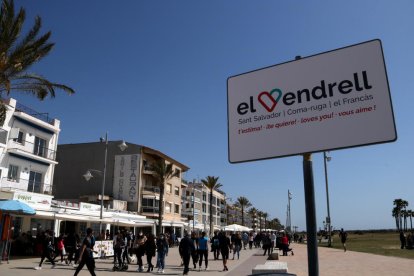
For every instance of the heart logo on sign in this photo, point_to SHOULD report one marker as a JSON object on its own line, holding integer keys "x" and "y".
{"x": 269, "y": 96}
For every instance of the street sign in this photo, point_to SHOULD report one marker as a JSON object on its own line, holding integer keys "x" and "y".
{"x": 333, "y": 100}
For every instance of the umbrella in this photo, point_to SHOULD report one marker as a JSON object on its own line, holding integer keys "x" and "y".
{"x": 13, "y": 207}
{"x": 235, "y": 228}
{"x": 16, "y": 207}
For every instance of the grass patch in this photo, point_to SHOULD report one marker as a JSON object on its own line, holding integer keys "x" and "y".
{"x": 386, "y": 244}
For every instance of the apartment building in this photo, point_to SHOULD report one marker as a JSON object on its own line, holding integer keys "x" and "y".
{"x": 196, "y": 207}
{"x": 28, "y": 143}
{"x": 130, "y": 183}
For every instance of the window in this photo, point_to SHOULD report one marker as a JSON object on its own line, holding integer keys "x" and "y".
{"x": 168, "y": 207}
{"x": 204, "y": 208}
{"x": 177, "y": 173}
{"x": 39, "y": 147}
{"x": 177, "y": 191}
{"x": 187, "y": 193}
{"x": 187, "y": 205}
{"x": 176, "y": 208}
{"x": 35, "y": 182}
{"x": 13, "y": 172}
{"x": 169, "y": 188}
{"x": 204, "y": 196}
{"x": 20, "y": 137}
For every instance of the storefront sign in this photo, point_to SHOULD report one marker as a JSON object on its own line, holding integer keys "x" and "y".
{"x": 88, "y": 207}
{"x": 332, "y": 100}
{"x": 126, "y": 175}
{"x": 36, "y": 201}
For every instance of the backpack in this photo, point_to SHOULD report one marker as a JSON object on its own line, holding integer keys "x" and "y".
{"x": 216, "y": 243}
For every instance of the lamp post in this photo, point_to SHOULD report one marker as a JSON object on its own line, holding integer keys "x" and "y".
{"x": 328, "y": 218}
{"x": 88, "y": 175}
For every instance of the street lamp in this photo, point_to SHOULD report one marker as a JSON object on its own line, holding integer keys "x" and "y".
{"x": 328, "y": 218}
{"x": 88, "y": 175}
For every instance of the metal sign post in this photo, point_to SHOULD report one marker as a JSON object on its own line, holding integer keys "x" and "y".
{"x": 312, "y": 243}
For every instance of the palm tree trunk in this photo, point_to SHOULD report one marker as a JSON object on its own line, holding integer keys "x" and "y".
{"x": 160, "y": 209}
{"x": 242, "y": 215}
{"x": 211, "y": 213}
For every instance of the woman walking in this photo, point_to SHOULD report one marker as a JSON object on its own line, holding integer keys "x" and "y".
{"x": 203, "y": 251}
{"x": 150, "y": 248}
{"x": 85, "y": 256}
{"x": 140, "y": 250}
{"x": 48, "y": 249}
{"x": 162, "y": 249}
{"x": 194, "y": 255}
{"x": 225, "y": 247}
{"x": 237, "y": 245}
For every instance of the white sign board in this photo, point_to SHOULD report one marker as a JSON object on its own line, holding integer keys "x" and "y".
{"x": 332, "y": 100}
{"x": 126, "y": 175}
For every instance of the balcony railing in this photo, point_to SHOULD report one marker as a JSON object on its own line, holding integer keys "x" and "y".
{"x": 32, "y": 148}
{"x": 41, "y": 116}
{"x": 25, "y": 185}
{"x": 152, "y": 189}
{"x": 148, "y": 169}
{"x": 149, "y": 209}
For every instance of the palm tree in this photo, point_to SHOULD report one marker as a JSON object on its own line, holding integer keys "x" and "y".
{"x": 162, "y": 173}
{"x": 253, "y": 214}
{"x": 243, "y": 203}
{"x": 265, "y": 216}
{"x": 260, "y": 215}
{"x": 211, "y": 182}
{"x": 397, "y": 212}
{"x": 18, "y": 54}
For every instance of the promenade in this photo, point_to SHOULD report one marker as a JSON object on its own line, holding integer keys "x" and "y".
{"x": 332, "y": 262}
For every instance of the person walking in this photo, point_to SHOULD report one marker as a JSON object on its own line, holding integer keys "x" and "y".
{"x": 162, "y": 249}
{"x": 47, "y": 249}
{"x": 215, "y": 246}
{"x": 194, "y": 256}
{"x": 237, "y": 243}
{"x": 266, "y": 243}
{"x": 245, "y": 238}
{"x": 225, "y": 247}
{"x": 272, "y": 241}
{"x": 251, "y": 239}
{"x": 70, "y": 246}
{"x": 203, "y": 251}
{"x": 140, "y": 250}
{"x": 186, "y": 249}
{"x": 150, "y": 248}
{"x": 85, "y": 256}
{"x": 343, "y": 235}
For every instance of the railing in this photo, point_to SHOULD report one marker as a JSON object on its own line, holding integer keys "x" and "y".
{"x": 148, "y": 169}
{"x": 149, "y": 209}
{"x": 41, "y": 116}
{"x": 151, "y": 189}
{"x": 31, "y": 148}
{"x": 25, "y": 185}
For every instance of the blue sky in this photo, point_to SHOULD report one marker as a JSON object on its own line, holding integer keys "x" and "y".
{"x": 154, "y": 73}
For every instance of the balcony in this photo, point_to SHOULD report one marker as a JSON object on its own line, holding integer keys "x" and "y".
{"x": 149, "y": 210}
{"x": 25, "y": 185}
{"x": 33, "y": 151}
{"x": 148, "y": 169}
{"x": 152, "y": 189}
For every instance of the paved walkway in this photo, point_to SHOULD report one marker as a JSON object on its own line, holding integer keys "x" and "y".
{"x": 332, "y": 262}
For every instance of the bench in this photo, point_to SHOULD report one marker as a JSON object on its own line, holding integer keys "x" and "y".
{"x": 270, "y": 267}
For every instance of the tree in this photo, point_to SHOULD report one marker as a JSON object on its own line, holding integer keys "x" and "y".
{"x": 260, "y": 215}
{"x": 398, "y": 211}
{"x": 243, "y": 203}
{"x": 253, "y": 214}
{"x": 265, "y": 216}
{"x": 162, "y": 173}
{"x": 17, "y": 55}
{"x": 275, "y": 224}
{"x": 211, "y": 182}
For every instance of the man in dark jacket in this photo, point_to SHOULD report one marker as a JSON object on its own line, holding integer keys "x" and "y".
{"x": 186, "y": 248}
